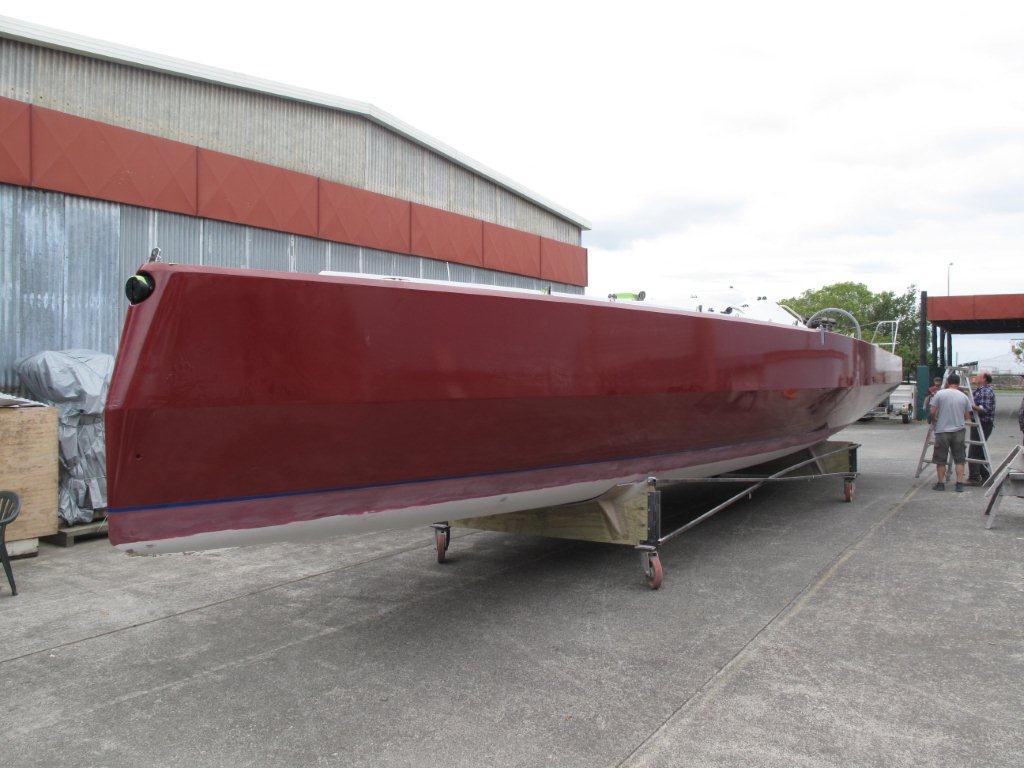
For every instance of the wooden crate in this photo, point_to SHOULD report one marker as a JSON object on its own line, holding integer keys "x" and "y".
{"x": 28, "y": 466}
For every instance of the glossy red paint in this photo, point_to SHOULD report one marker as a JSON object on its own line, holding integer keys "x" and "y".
{"x": 350, "y": 215}
{"x": 511, "y": 250}
{"x": 176, "y": 521}
{"x": 562, "y": 262}
{"x": 259, "y": 195}
{"x": 85, "y": 157}
{"x": 234, "y": 389}
{"x": 438, "y": 234}
{"x": 15, "y": 150}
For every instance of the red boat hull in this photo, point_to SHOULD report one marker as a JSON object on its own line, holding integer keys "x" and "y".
{"x": 245, "y": 400}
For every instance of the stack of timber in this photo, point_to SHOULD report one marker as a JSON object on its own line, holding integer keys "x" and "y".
{"x": 28, "y": 466}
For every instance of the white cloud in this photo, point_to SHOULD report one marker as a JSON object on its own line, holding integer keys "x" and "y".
{"x": 658, "y": 218}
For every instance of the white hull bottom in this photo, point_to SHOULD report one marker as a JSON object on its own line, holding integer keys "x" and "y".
{"x": 407, "y": 517}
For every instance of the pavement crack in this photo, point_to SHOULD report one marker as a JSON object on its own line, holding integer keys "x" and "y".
{"x": 204, "y": 606}
{"x": 54, "y": 718}
{"x": 792, "y": 608}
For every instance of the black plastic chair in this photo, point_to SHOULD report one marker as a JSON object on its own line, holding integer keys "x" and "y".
{"x": 10, "y": 506}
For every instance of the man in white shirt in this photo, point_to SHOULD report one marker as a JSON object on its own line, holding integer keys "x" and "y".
{"x": 950, "y": 409}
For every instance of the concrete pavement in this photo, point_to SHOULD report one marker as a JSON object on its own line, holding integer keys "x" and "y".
{"x": 793, "y": 629}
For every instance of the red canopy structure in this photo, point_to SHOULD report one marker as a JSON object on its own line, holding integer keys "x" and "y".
{"x": 980, "y": 313}
{"x": 994, "y": 313}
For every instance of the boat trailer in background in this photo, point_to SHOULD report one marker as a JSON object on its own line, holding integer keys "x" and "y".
{"x": 633, "y": 514}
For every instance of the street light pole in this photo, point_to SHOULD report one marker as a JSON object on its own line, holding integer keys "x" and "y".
{"x": 948, "y": 268}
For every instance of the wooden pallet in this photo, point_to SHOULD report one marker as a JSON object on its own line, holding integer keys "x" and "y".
{"x": 67, "y": 535}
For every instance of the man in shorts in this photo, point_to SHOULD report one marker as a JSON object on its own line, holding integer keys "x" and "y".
{"x": 950, "y": 409}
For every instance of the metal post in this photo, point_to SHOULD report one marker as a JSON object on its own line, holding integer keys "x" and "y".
{"x": 922, "y": 336}
{"x": 949, "y": 347}
{"x": 935, "y": 347}
{"x": 923, "y": 373}
{"x": 653, "y": 512}
{"x": 942, "y": 348}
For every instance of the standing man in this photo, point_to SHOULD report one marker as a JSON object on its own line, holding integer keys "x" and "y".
{"x": 985, "y": 407}
{"x": 950, "y": 410}
{"x": 935, "y": 387}
{"x": 1020, "y": 420}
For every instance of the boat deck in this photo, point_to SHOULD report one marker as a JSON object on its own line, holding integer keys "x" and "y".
{"x": 795, "y": 629}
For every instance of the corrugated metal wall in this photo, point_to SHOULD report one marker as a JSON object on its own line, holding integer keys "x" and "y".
{"x": 64, "y": 259}
{"x": 302, "y": 137}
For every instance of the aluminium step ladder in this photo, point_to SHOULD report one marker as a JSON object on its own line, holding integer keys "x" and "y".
{"x": 973, "y": 424}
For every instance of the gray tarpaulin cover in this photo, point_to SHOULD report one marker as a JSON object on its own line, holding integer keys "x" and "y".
{"x": 76, "y": 382}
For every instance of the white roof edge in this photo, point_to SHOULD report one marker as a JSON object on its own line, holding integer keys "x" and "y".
{"x": 34, "y": 34}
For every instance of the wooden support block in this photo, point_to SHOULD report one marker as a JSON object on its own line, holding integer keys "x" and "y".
{"x": 836, "y": 462}
{"x": 583, "y": 522}
{"x": 28, "y": 466}
{"x": 69, "y": 534}
{"x": 23, "y": 548}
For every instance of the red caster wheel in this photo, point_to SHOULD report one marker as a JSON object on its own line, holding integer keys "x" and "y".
{"x": 441, "y": 540}
{"x": 653, "y": 571}
{"x": 848, "y": 491}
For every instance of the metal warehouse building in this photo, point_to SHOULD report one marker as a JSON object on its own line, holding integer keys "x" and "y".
{"x": 107, "y": 152}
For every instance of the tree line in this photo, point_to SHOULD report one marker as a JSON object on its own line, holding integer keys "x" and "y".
{"x": 870, "y": 309}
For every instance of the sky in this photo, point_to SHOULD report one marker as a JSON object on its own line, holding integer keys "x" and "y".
{"x": 773, "y": 147}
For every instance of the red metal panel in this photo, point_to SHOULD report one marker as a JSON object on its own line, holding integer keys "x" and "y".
{"x": 259, "y": 195}
{"x": 350, "y": 215}
{"x": 85, "y": 157}
{"x": 15, "y": 163}
{"x": 438, "y": 234}
{"x": 562, "y": 262}
{"x": 950, "y": 308}
{"x": 511, "y": 250}
{"x": 996, "y": 306}
{"x": 1004, "y": 306}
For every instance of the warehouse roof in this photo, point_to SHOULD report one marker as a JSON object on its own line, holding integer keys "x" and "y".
{"x": 35, "y": 34}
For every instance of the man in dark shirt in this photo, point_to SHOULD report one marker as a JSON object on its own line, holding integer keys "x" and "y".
{"x": 1020, "y": 419}
{"x": 985, "y": 413}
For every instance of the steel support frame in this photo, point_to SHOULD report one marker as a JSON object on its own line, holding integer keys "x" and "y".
{"x": 1004, "y": 481}
{"x": 656, "y": 537}
{"x": 654, "y": 533}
